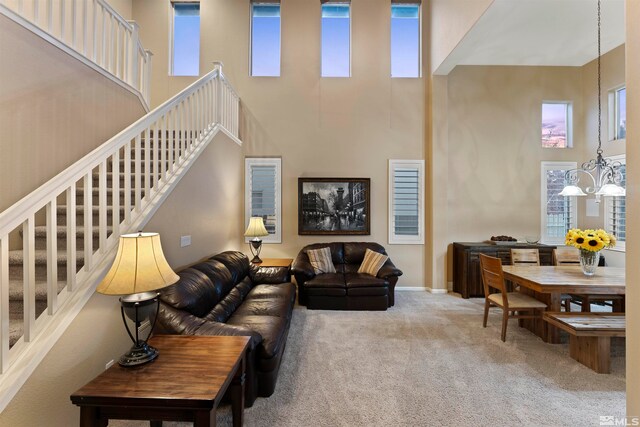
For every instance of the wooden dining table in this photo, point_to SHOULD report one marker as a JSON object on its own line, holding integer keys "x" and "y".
{"x": 548, "y": 283}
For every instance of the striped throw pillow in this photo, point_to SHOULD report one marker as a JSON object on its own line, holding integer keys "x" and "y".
{"x": 320, "y": 260}
{"x": 372, "y": 262}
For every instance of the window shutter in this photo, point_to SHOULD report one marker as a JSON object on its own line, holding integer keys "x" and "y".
{"x": 262, "y": 189}
{"x": 616, "y": 212}
{"x": 406, "y": 201}
{"x": 558, "y": 213}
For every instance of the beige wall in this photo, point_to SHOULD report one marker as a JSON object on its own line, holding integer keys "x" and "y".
{"x": 633, "y": 205}
{"x": 123, "y": 7}
{"x": 206, "y": 194}
{"x": 52, "y": 111}
{"x": 613, "y": 75}
{"x": 493, "y": 155}
{"x": 320, "y": 127}
{"x": 449, "y": 22}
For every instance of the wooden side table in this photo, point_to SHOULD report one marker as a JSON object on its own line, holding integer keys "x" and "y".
{"x": 185, "y": 383}
{"x": 284, "y": 263}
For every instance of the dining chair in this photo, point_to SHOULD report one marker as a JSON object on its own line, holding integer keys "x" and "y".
{"x": 567, "y": 255}
{"x": 511, "y": 303}
{"x": 532, "y": 257}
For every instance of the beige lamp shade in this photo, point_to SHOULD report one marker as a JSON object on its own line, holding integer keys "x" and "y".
{"x": 256, "y": 228}
{"x": 139, "y": 266}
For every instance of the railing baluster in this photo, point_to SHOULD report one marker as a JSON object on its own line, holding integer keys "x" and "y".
{"x": 74, "y": 36}
{"x": 72, "y": 235}
{"x": 85, "y": 11}
{"x": 163, "y": 147}
{"x": 147, "y": 161}
{"x": 127, "y": 181}
{"x": 155, "y": 154}
{"x": 88, "y": 221}
{"x": 102, "y": 205}
{"x": 4, "y": 304}
{"x": 138, "y": 174}
{"x": 29, "y": 278}
{"x": 94, "y": 17}
{"x": 171, "y": 141}
{"x": 52, "y": 257}
{"x": 20, "y": 11}
{"x": 104, "y": 38}
{"x": 62, "y": 16}
{"x": 117, "y": 51}
{"x": 110, "y": 45}
{"x": 115, "y": 188}
{"x": 50, "y": 16}
{"x": 36, "y": 11}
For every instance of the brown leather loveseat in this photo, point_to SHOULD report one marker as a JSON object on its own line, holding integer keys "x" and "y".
{"x": 346, "y": 289}
{"x": 227, "y": 295}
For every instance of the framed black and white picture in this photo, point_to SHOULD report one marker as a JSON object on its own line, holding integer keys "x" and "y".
{"x": 334, "y": 206}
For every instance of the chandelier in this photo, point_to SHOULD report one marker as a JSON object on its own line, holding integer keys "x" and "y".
{"x": 604, "y": 174}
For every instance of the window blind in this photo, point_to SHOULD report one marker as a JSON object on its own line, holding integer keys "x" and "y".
{"x": 406, "y": 188}
{"x": 617, "y": 212}
{"x": 263, "y": 195}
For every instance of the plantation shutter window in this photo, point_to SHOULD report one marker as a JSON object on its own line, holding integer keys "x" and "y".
{"x": 406, "y": 201}
{"x": 263, "y": 195}
{"x": 558, "y": 213}
{"x": 615, "y": 210}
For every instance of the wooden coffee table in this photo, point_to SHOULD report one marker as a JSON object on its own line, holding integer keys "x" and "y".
{"x": 185, "y": 383}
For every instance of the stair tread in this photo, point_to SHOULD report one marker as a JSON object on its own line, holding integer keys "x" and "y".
{"x": 16, "y": 289}
{"x": 16, "y": 257}
{"x": 61, "y": 230}
{"x": 62, "y": 209}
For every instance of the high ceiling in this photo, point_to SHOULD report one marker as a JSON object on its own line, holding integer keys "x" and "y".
{"x": 539, "y": 32}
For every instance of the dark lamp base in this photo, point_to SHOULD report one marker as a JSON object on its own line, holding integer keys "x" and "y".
{"x": 138, "y": 355}
{"x": 256, "y": 260}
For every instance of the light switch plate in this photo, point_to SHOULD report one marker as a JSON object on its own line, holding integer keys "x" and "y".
{"x": 185, "y": 241}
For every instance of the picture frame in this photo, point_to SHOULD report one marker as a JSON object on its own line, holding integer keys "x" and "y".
{"x": 334, "y": 206}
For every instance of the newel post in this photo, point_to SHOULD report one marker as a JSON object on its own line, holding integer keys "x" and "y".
{"x": 134, "y": 63}
{"x": 147, "y": 77}
{"x": 217, "y": 65}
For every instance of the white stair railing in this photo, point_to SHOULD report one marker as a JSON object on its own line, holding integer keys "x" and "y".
{"x": 114, "y": 189}
{"x": 92, "y": 29}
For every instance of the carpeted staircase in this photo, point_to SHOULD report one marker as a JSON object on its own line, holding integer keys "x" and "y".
{"x": 16, "y": 258}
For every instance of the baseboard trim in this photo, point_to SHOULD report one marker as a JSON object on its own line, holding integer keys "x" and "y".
{"x": 420, "y": 289}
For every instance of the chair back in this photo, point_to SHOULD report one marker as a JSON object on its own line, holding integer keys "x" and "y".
{"x": 492, "y": 276}
{"x": 525, "y": 257}
{"x": 566, "y": 255}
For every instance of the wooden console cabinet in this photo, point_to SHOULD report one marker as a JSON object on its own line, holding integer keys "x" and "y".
{"x": 466, "y": 263}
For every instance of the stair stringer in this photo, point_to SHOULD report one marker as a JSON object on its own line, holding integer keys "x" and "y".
{"x": 27, "y": 358}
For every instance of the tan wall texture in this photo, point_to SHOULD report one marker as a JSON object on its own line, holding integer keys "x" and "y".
{"x": 48, "y": 120}
{"x": 633, "y": 205}
{"x": 320, "y": 127}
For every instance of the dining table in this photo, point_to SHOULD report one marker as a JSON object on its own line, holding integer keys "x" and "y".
{"x": 548, "y": 283}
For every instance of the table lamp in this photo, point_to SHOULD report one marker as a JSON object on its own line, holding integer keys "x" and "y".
{"x": 138, "y": 270}
{"x": 256, "y": 230}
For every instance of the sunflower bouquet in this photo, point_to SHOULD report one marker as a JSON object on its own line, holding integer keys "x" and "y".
{"x": 590, "y": 240}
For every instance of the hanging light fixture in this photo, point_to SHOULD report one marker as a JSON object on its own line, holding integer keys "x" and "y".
{"x": 604, "y": 173}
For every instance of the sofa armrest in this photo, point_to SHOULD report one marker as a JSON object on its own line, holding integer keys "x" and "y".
{"x": 217, "y": 328}
{"x": 302, "y": 269}
{"x": 269, "y": 275}
{"x": 389, "y": 270}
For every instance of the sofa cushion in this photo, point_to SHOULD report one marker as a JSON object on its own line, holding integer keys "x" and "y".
{"x": 219, "y": 275}
{"x": 372, "y": 262}
{"x": 320, "y": 260}
{"x": 230, "y": 303}
{"x": 354, "y": 251}
{"x": 329, "y": 280}
{"x": 236, "y": 262}
{"x": 285, "y": 291}
{"x": 272, "y": 329}
{"x": 360, "y": 280}
{"x": 332, "y": 292}
{"x": 194, "y": 293}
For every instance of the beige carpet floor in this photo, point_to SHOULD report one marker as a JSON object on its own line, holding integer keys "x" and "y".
{"x": 428, "y": 362}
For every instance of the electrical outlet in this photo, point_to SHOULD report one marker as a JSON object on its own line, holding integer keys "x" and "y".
{"x": 109, "y": 364}
{"x": 185, "y": 241}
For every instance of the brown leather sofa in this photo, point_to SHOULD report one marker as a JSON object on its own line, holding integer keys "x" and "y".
{"x": 346, "y": 289}
{"x": 227, "y": 295}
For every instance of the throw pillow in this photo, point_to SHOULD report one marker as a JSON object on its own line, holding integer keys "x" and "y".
{"x": 372, "y": 262}
{"x": 320, "y": 260}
